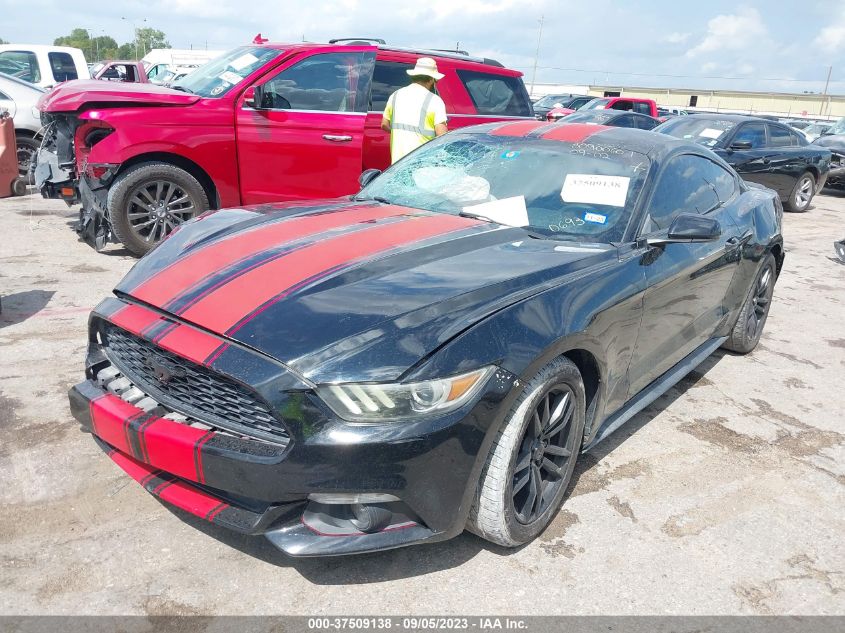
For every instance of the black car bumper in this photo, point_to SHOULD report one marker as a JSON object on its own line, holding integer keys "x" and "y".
{"x": 423, "y": 474}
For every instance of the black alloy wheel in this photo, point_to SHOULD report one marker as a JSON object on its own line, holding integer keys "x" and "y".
{"x": 545, "y": 450}
{"x": 752, "y": 316}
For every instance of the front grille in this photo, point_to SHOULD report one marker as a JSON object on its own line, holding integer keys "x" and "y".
{"x": 191, "y": 389}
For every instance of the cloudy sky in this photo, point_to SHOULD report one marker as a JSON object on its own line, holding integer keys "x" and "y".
{"x": 756, "y": 44}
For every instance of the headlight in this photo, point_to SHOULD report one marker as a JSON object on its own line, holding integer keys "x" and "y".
{"x": 392, "y": 401}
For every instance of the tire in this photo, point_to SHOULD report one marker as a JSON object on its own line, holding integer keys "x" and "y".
{"x": 26, "y": 147}
{"x": 503, "y": 516}
{"x": 149, "y": 200}
{"x": 752, "y": 317}
{"x": 802, "y": 194}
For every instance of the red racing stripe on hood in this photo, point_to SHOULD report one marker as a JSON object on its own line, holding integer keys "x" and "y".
{"x": 187, "y": 271}
{"x": 229, "y": 304}
{"x": 136, "y": 319}
{"x": 190, "y": 343}
{"x": 518, "y": 129}
{"x": 573, "y": 132}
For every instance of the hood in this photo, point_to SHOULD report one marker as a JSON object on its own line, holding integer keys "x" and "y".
{"x": 832, "y": 141}
{"x": 345, "y": 291}
{"x": 79, "y": 94}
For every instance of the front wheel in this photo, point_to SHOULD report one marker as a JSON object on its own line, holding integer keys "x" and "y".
{"x": 802, "y": 194}
{"x": 148, "y": 201}
{"x": 530, "y": 464}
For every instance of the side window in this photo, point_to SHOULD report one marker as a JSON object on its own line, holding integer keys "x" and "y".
{"x": 388, "y": 77}
{"x": 754, "y": 133}
{"x": 642, "y": 108}
{"x": 577, "y": 103}
{"x": 626, "y": 120}
{"x": 63, "y": 67}
{"x": 779, "y": 136}
{"x": 798, "y": 140}
{"x": 622, "y": 104}
{"x": 331, "y": 82}
{"x": 20, "y": 64}
{"x": 646, "y": 123}
{"x": 500, "y": 95}
{"x": 682, "y": 188}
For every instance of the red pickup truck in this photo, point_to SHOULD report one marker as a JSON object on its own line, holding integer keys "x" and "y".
{"x": 259, "y": 124}
{"x": 642, "y": 106}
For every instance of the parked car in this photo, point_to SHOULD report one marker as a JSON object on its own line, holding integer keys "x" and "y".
{"x": 159, "y": 60}
{"x": 833, "y": 140}
{"x": 44, "y": 66}
{"x": 170, "y": 76}
{"x": 260, "y": 124}
{"x": 798, "y": 124}
{"x": 435, "y": 352}
{"x": 612, "y": 118}
{"x": 762, "y": 151}
{"x": 671, "y": 111}
{"x": 19, "y": 99}
{"x": 815, "y": 130}
{"x": 543, "y": 105}
{"x": 568, "y": 107}
{"x": 120, "y": 70}
{"x": 643, "y": 106}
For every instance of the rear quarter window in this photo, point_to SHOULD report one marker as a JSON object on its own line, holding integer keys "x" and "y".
{"x": 496, "y": 94}
{"x": 63, "y": 67}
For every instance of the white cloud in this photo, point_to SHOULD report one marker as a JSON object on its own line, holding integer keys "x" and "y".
{"x": 831, "y": 37}
{"x": 731, "y": 32}
{"x": 677, "y": 38}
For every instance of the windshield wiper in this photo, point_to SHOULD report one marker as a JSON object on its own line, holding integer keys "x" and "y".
{"x": 479, "y": 216}
{"x": 183, "y": 89}
{"x": 376, "y": 198}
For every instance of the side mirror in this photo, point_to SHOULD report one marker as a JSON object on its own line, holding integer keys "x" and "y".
{"x": 741, "y": 145}
{"x": 253, "y": 96}
{"x": 689, "y": 227}
{"x": 368, "y": 176}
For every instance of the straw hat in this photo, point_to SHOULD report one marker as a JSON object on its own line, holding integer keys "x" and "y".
{"x": 426, "y": 66}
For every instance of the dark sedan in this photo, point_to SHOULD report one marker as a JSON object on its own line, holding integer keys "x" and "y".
{"x": 434, "y": 353}
{"x": 550, "y": 102}
{"x": 762, "y": 151}
{"x": 612, "y": 118}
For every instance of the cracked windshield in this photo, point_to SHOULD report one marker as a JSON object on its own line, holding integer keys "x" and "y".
{"x": 569, "y": 191}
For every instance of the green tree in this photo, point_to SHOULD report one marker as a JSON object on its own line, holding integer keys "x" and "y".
{"x": 2, "y": 41}
{"x": 149, "y": 39}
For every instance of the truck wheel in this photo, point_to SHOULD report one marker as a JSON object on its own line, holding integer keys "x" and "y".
{"x": 531, "y": 461}
{"x": 27, "y": 147}
{"x": 149, "y": 200}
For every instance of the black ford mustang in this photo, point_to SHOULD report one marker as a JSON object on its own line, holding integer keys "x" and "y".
{"x": 434, "y": 353}
{"x": 762, "y": 151}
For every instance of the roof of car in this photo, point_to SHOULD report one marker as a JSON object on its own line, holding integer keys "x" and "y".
{"x": 728, "y": 117}
{"x": 38, "y": 48}
{"x": 639, "y": 141}
{"x": 21, "y": 82}
{"x": 455, "y": 55}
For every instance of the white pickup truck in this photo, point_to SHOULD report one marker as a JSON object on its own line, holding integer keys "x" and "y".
{"x": 43, "y": 65}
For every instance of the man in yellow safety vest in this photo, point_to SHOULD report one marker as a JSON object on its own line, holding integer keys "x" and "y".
{"x": 414, "y": 114}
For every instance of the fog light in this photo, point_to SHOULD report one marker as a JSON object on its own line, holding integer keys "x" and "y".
{"x": 345, "y": 498}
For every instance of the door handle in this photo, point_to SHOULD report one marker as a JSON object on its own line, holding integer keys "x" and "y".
{"x": 337, "y": 138}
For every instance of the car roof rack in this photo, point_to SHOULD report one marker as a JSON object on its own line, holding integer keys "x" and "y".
{"x": 451, "y": 50}
{"x": 357, "y": 40}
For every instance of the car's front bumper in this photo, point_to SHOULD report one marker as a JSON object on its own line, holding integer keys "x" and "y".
{"x": 259, "y": 487}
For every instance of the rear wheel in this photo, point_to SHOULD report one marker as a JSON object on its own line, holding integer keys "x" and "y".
{"x": 802, "y": 194}
{"x": 149, "y": 200}
{"x": 752, "y": 317}
{"x": 531, "y": 461}
{"x": 27, "y": 147}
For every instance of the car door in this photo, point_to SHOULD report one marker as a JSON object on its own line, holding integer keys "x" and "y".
{"x": 752, "y": 162}
{"x": 686, "y": 283}
{"x": 305, "y": 137}
{"x": 787, "y": 161}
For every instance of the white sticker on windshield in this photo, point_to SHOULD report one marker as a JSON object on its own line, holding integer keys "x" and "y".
{"x": 229, "y": 77}
{"x": 510, "y": 211}
{"x": 593, "y": 189}
{"x": 709, "y": 132}
{"x": 243, "y": 61}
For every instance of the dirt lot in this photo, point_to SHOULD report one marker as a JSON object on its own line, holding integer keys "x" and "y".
{"x": 725, "y": 496}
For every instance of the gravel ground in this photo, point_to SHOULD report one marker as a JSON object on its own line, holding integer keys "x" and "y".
{"x": 726, "y": 496}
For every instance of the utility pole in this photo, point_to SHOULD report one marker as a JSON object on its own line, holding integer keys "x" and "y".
{"x": 537, "y": 54}
{"x": 826, "y": 85}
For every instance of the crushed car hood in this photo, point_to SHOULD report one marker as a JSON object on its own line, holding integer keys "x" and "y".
{"x": 340, "y": 290}
{"x": 72, "y": 96}
{"x": 832, "y": 141}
